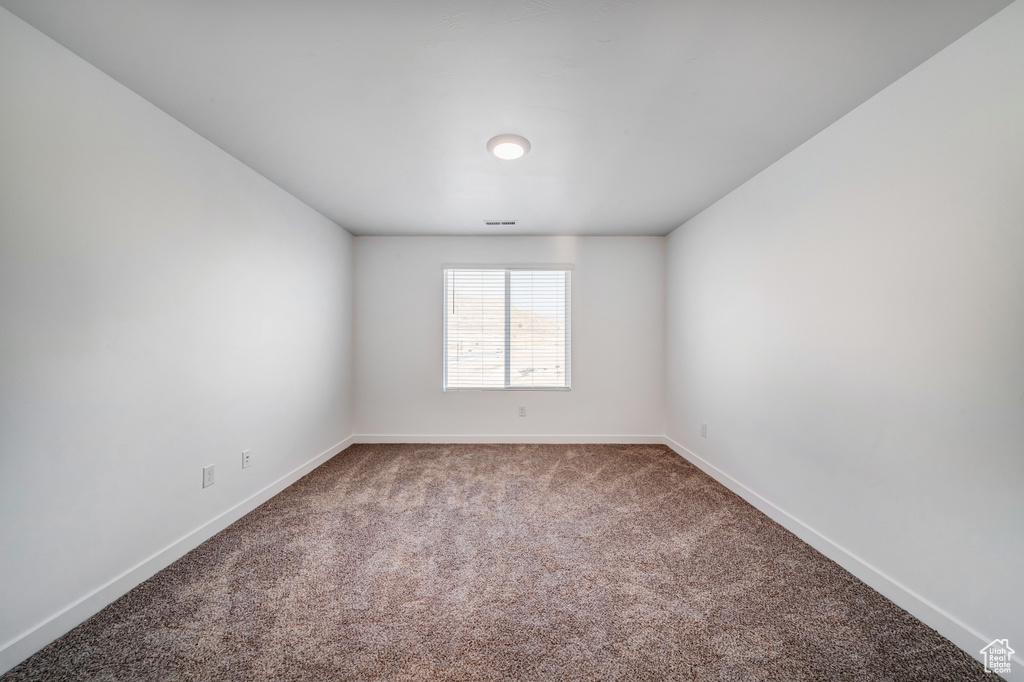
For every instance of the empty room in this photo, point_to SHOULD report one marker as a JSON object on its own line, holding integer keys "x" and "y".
{"x": 530, "y": 340}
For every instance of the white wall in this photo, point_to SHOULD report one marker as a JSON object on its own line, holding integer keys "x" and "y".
{"x": 163, "y": 307}
{"x": 850, "y": 324}
{"x": 617, "y": 340}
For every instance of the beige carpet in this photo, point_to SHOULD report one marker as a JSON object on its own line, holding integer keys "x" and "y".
{"x": 503, "y": 562}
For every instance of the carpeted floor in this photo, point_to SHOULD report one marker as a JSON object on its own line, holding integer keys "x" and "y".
{"x": 503, "y": 562}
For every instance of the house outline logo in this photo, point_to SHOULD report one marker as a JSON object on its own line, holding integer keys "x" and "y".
{"x": 997, "y": 656}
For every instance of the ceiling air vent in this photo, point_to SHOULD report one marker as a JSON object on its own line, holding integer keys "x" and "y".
{"x": 499, "y": 222}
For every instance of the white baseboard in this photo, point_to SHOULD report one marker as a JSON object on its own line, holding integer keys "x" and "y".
{"x": 391, "y": 438}
{"x": 24, "y": 645}
{"x": 947, "y": 625}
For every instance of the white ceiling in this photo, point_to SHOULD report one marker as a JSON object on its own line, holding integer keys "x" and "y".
{"x": 377, "y": 113}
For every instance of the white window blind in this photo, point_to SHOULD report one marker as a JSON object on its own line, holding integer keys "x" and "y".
{"x": 506, "y": 328}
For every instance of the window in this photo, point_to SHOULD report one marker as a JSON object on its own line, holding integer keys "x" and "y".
{"x": 506, "y": 328}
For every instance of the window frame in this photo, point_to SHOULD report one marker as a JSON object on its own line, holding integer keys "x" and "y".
{"x": 508, "y": 269}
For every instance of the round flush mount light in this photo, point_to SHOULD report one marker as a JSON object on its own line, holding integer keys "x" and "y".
{"x": 508, "y": 147}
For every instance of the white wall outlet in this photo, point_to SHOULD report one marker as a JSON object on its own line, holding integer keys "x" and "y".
{"x": 208, "y": 476}
{"x": 522, "y": 410}
{"x": 246, "y": 458}
{"x": 703, "y": 430}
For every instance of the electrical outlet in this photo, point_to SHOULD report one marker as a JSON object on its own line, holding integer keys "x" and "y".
{"x": 246, "y": 458}
{"x": 522, "y": 410}
{"x": 208, "y": 476}
{"x": 703, "y": 430}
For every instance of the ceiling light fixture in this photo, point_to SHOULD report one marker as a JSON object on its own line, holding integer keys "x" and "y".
{"x": 508, "y": 147}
